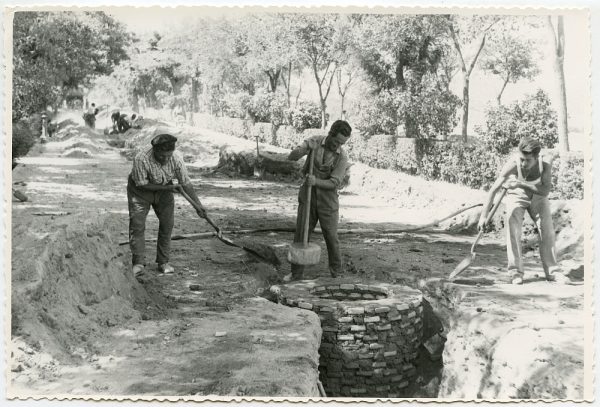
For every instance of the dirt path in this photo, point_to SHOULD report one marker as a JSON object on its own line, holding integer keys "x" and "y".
{"x": 169, "y": 343}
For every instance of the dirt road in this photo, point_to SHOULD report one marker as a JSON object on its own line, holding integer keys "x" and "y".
{"x": 83, "y": 325}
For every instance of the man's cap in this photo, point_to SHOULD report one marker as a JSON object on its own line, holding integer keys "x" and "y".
{"x": 162, "y": 135}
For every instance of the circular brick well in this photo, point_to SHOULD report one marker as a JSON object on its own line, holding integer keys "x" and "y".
{"x": 371, "y": 333}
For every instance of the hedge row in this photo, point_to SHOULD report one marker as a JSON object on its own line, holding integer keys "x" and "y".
{"x": 473, "y": 165}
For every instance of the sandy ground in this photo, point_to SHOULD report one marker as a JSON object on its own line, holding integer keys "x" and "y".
{"x": 83, "y": 325}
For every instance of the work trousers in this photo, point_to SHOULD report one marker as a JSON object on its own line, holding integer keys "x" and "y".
{"x": 517, "y": 202}
{"x": 324, "y": 208}
{"x": 139, "y": 202}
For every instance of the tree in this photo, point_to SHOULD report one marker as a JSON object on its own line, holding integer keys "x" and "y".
{"x": 510, "y": 56}
{"x": 322, "y": 42}
{"x": 558, "y": 43}
{"x": 345, "y": 77}
{"x": 54, "y": 52}
{"x": 402, "y": 57}
{"x": 467, "y": 32}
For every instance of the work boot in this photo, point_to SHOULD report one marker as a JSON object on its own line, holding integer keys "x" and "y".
{"x": 166, "y": 268}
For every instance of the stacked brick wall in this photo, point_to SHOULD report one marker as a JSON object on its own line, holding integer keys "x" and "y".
{"x": 371, "y": 334}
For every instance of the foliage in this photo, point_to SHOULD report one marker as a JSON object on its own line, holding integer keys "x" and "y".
{"x": 511, "y": 57}
{"x": 428, "y": 103}
{"x": 305, "y": 115}
{"x": 506, "y": 125}
{"x": 54, "y": 52}
{"x": 567, "y": 177}
{"x": 24, "y": 136}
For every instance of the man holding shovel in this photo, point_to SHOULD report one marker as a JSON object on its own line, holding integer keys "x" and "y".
{"x": 528, "y": 180}
{"x": 330, "y": 164}
{"x": 150, "y": 184}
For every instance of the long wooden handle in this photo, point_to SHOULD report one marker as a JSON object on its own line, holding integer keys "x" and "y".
{"x": 199, "y": 208}
{"x": 308, "y": 193}
{"x": 489, "y": 218}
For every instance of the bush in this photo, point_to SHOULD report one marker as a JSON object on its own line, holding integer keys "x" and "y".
{"x": 306, "y": 115}
{"x": 23, "y": 138}
{"x": 506, "y": 125}
{"x": 567, "y": 177}
{"x": 424, "y": 110}
{"x": 268, "y": 108}
{"x": 236, "y": 105}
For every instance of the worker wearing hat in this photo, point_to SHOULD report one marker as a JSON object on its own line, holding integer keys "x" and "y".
{"x": 151, "y": 184}
{"x": 528, "y": 180}
{"x": 330, "y": 165}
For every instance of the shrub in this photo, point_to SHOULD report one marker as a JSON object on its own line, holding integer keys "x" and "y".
{"x": 506, "y": 125}
{"x": 305, "y": 115}
{"x": 24, "y": 137}
{"x": 567, "y": 177}
{"x": 268, "y": 108}
{"x": 424, "y": 110}
{"x": 236, "y": 105}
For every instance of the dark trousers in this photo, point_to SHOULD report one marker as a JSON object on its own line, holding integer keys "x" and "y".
{"x": 139, "y": 202}
{"x": 324, "y": 208}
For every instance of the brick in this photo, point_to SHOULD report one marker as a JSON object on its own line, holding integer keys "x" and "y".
{"x": 355, "y": 310}
{"x": 362, "y": 287}
{"x": 407, "y": 367}
{"x": 378, "y": 372}
{"x": 389, "y": 372}
{"x": 360, "y": 390}
{"x": 402, "y": 307}
{"x": 365, "y": 356}
{"x": 379, "y": 290}
{"x": 375, "y": 346}
{"x": 319, "y": 289}
{"x": 370, "y": 338}
{"x": 344, "y": 319}
{"x": 403, "y": 384}
{"x": 351, "y": 365}
{"x": 345, "y": 337}
{"x": 389, "y": 354}
{"x": 326, "y": 309}
{"x": 385, "y": 327}
{"x": 339, "y": 294}
{"x": 379, "y": 364}
{"x": 412, "y": 314}
{"x": 382, "y": 388}
{"x": 380, "y": 310}
{"x": 416, "y": 303}
{"x": 380, "y": 297}
{"x": 333, "y": 287}
{"x": 397, "y": 378}
{"x": 368, "y": 296}
{"x": 358, "y": 328}
{"x": 349, "y": 287}
{"x": 365, "y": 373}
{"x": 325, "y": 295}
{"x": 355, "y": 295}
{"x": 372, "y": 319}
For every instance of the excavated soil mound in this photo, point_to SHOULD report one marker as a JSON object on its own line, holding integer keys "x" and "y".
{"x": 68, "y": 285}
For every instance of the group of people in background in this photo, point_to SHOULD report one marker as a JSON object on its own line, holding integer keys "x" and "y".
{"x": 121, "y": 122}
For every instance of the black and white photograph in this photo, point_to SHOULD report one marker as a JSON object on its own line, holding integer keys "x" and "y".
{"x": 301, "y": 203}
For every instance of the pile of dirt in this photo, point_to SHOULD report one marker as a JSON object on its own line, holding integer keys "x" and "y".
{"x": 70, "y": 284}
{"x": 77, "y": 153}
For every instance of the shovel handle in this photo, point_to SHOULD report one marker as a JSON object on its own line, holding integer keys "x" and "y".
{"x": 311, "y": 155}
{"x": 199, "y": 208}
{"x": 489, "y": 218}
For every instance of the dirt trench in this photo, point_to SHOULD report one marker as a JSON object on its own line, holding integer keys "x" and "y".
{"x": 82, "y": 324}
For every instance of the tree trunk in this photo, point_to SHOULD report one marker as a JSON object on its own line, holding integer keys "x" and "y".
{"x": 561, "y": 93}
{"x": 499, "y": 97}
{"x": 323, "y": 114}
{"x": 465, "y": 116}
{"x": 194, "y": 102}
{"x": 342, "y": 114}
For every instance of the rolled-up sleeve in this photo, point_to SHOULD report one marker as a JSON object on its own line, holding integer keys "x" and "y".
{"x": 339, "y": 171}
{"x": 139, "y": 173}
{"x": 181, "y": 172}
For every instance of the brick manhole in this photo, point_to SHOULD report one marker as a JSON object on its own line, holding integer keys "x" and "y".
{"x": 371, "y": 333}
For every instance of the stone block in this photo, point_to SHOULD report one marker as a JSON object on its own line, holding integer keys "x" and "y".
{"x": 380, "y": 297}
{"x": 328, "y": 328}
{"x": 389, "y": 372}
{"x": 344, "y": 320}
{"x": 372, "y": 319}
{"x": 359, "y": 390}
{"x": 379, "y": 364}
{"x": 345, "y": 337}
{"x": 402, "y": 307}
{"x": 347, "y": 287}
{"x": 365, "y": 373}
{"x": 355, "y": 295}
{"x": 367, "y": 355}
{"x": 375, "y": 346}
{"x": 368, "y": 296}
{"x": 355, "y": 310}
{"x": 326, "y": 309}
{"x": 351, "y": 365}
{"x": 379, "y": 310}
{"x": 357, "y": 328}
{"x": 403, "y": 384}
{"x": 412, "y": 314}
{"x": 362, "y": 287}
{"x": 385, "y": 327}
{"x": 381, "y": 389}
{"x": 390, "y": 354}
{"x": 397, "y": 378}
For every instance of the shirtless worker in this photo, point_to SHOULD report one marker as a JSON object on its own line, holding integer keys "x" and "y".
{"x": 330, "y": 165}
{"x": 150, "y": 184}
{"x": 528, "y": 180}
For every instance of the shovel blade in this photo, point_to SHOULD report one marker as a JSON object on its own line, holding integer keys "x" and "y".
{"x": 462, "y": 266}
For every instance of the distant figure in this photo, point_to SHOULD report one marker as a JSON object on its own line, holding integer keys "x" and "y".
{"x": 114, "y": 117}
{"x": 123, "y": 124}
{"x": 178, "y": 114}
{"x": 136, "y": 121}
{"x": 90, "y": 116}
